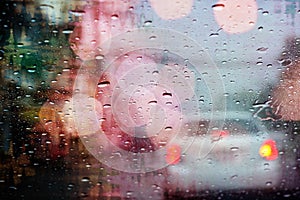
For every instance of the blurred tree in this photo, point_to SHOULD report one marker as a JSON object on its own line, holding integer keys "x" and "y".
{"x": 285, "y": 99}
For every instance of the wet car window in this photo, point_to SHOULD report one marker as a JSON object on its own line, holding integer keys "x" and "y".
{"x": 149, "y": 99}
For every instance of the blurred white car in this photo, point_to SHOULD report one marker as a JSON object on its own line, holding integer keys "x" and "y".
{"x": 240, "y": 155}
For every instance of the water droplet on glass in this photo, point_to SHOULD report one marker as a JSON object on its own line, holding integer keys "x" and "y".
{"x": 70, "y": 186}
{"x": 106, "y": 106}
{"x": 85, "y": 179}
{"x": 77, "y": 13}
{"x": 99, "y": 57}
{"x": 154, "y": 102}
{"x": 269, "y": 183}
{"x": 265, "y": 13}
{"x": 153, "y": 37}
{"x": 88, "y": 165}
{"x": 234, "y": 177}
{"x": 16, "y": 72}
{"x": 262, "y": 49}
{"x": 155, "y": 72}
{"x": 214, "y": 35}
{"x": 218, "y": 7}
{"x": 287, "y": 195}
{"x": 20, "y": 45}
{"x": 103, "y": 84}
{"x": 148, "y": 23}
{"x": 286, "y": 62}
{"x": 260, "y": 28}
{"x": 167, "y": 94}
{"x": 129, "y": 193}
{"x": 114, "y": 16}
{"x": 67, "y": 31}
{"x": 168, "y": 128}
{"x": 31, "y": 70}
{"x": 251, "y": 23}
{"x": 234, "y": 148}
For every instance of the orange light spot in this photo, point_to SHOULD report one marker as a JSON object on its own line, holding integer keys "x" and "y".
{"x": 173, "y": 154}
{"x": 235, "y": 16}
{"x": 269, "y": 150}
{"x": 170, "y": 9}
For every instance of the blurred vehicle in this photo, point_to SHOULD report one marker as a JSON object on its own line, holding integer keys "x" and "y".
{"x": 241, "y": 155}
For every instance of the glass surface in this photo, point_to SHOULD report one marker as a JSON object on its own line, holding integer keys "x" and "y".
{"x": 149, "y": 99}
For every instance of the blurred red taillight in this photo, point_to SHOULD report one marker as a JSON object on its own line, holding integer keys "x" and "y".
{"x": 173, "y": 154}
{"x": 268, "y": 150}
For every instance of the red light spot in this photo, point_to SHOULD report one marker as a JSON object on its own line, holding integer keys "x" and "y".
{"x": 219, "y": 133}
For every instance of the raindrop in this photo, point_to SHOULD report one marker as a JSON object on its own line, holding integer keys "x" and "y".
{"x": 88, "y": 165}
{"x": 269, "y": 183}
{"x": 154, "y": 102}
{"x": 251, "y": 23}
{"x": 234, "y": 177}
{"x": 77, "y": 13}
{"x": 262, "y": 49}
{"x": 71, "y": 185}
{"x": 260, "y": 28}
{"x": 114, "y": 16}
{"x": 167, "y": 94}
{"x": 102, "y": 119}
{"x": 155, "y": 72}
{"x": 287, "y": 195}
{"x": 234, "y": 148}
{"x": 99, "y": 57}
{"x": 148, "y": 23}
{"x": 265, "y": 13}
{"x": 218, "y": 7}
{"x": 106, "y": 106}
{"x": 153, "y": 37}
{"x": 129, "y": 193}
{"x": 67, "y": 31}
{"x": 214, "y": 35}
{"x": 168, "y": 128}
{"x": 31, "y": 70}
{"x": 286, "y": 62}
{"x": 20, "y": 45}
{"x": 103, "y": 84}
{"x": 85, "y": 179}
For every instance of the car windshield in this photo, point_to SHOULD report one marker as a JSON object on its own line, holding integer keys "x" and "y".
{"x": 149, "y": 99}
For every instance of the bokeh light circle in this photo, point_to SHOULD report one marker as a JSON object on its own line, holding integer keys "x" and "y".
{"x": 148, "y": 102}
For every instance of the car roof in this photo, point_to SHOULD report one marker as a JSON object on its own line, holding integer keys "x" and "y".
{"x": 207, "y": 116}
